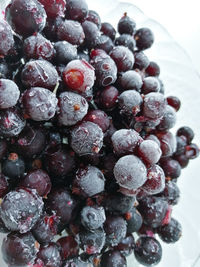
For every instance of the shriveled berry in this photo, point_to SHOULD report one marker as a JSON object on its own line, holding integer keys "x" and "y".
{"x": 39, "y": 73}
{"x": 20, "y": 209}
{"x": 72, "y": 108}
{"x": 19, "y": 249}
{"x": 89, "y": 181}
{"x": 32, "y": 12}
{"x": 79, "y": 75}
{"x": 39, "y": 103}
{"x": 148, "y": 251}
{"x": 86, "y": 138}
{"x": 130, "y": 172}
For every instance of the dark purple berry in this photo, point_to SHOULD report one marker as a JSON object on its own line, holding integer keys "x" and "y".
{"x": 167, "y": 143}
{"x": 77, "y": 10}
{"x": 3, "y": 148}
{"x": 131, "y": 80}
{"x": 168, "y": 120}
{"x": 92, "y": 34}
{"x": 4, "y": 185}
{"x": 65, "y": 52}
{"x": 13, "y": 166}
{"x": 126, "y": 25}
{"x": 126, "y": 246}
{"x": 130, "y": 102}
{"x": 19, "y": 249}
{"x": 93, "y": 217}
{"x": 61, "y": 201}
{"x": 130, "y": 172}
{"x": 170, "y": 233}
{"x": 38, "y": 180}
{"x": 149, "y": 151}
{"x": 154, "y": 105}
{"x": 94, "y": 17}
{"x": 187, "y": 132}
{"x": 134, "y": 220}
{"x": 32, "y": 12}
{"x": 86, "y": 138}
{"x": 153, "y": 69}
{"x": 98, "y": 117}
{"x": 49, "y": 255}
{"x": 192, "y": 151}
{"x": 54, "y": 8}
{"x": 171, "y": 167}
{"x": 105, "y": 43}
{"x": 70, "y": 31}
{"x": 108, "y": 30}
{"x": 171, "y": 193}
{"x": 72, "y": 108}
{"x": 150, "y": 84}
{"x": 148, "y": 251}
{"x": 123, "y": 58}
{"x": 69, "y": 247}
{"x": 108, "y": 97}
{"x": 21, "y": 209}
{"x": 89, "y": 181}
{"x": 39, "y": 73}
{"x": 126, "y": 40}
{"x": 144, "y": 38}
{"x": 141, "y": 60}
{"x": 92, "y": 242}
{"x": 11, "y": 122}
{"x": 174, "y": 102}
{"x": 39, "y": 103}
{"x": 38, "y": 47}
{"x": 113, "y": 258}
{"x": 6, "y": 37}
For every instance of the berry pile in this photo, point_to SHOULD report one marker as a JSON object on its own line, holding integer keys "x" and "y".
{"x": 85, "y": 144}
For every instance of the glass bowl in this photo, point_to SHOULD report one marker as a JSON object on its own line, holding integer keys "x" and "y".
{"x": 181, "y": 79}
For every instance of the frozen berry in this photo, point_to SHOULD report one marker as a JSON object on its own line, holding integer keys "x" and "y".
{"x": 6, "y": 37}
{"x": 9, "y": 93}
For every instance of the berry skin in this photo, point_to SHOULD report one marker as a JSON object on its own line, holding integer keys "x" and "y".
{"x": 6, "y": 37}
{"x": 144, "y": 38}
{"x": 11, "y": 122}
{"x": 46, "y": 228}
{"x": 154, "y": 105}
{"x": 170, "y": 233}
{"x": 39, "y": 73}
{"x": 123, "y": 58}
{"x": 98, "y": 117}
{"x": 126, "y": 25}
{"x": 61, "y": 201}
{"x": 131, "y": 80}
{"x": 69, "y": 247}
{"x": 155, "y": 180}
{"x": 9, "y": 93}
{"x": 148, "y": 251}
{"x": 134, "y": 220}
{"x": 33, "y": 14}
{"x": 79, "y": 75}
{"x": 39, "y": 103}
{"x": 125, "y": 141}
{"x": 70, "y": 31}
{"x": 16, "y": 211}
{"x": 65, "y": 52}
{"x": 19, "y": 249}
{"x": 72, "y": 108}
{"x": 92, "y": 217}
{"x": 92, "y": 242}
{"x": 130, "y": 102}
{"x": 149, "y": 151}
{"x": 49, "y": 255}
{"x": 38, "y": 47}
{"x": 38, "y": 180}
{"x": 115, "y": 229}
{"x": 113, "y": 258}
{"x": 77, "y": 10}
{"x": 13, "y": 166}
{"x": 82, "y": 184}
{"x": 54, "y": 8}
{"x": 174, "y": 102}
{"x": 86, "y": 138}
